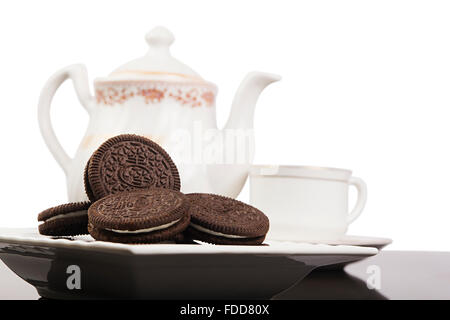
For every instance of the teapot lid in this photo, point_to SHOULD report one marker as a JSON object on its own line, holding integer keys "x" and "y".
{"x": 157, "y": 64}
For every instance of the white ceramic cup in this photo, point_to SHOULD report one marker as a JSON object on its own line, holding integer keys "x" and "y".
{"x": 307, "y": 204}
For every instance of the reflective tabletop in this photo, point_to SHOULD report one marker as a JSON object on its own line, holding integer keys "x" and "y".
{"x": 388, "y": 275}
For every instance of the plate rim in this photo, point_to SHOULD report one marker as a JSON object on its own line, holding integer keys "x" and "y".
{"x": 16, "y": 236}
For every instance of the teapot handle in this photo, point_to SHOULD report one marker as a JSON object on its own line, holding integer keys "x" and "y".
{"x": 78, "y": 74}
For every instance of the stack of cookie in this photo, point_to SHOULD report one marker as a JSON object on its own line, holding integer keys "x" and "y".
{"x": 134, "y": 191}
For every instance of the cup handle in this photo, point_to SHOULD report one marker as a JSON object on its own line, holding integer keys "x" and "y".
{"x": 78, "y": 74}
{"x": 362, "y": 198}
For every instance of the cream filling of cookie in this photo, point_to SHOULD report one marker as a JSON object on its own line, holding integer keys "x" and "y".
{"x": 231, "y": 236}
{"x": 164, "y": 226}
{"x": 67, "y": 215}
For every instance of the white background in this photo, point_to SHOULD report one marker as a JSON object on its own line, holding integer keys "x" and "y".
{"x": 366, "y": 86}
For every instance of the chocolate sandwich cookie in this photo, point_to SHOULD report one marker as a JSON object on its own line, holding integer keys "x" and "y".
{"x": 141, "y": 216}
{"x": 129, "y": 162}
{"x": 221, "y": 220}
{"x": 65, "y": 220}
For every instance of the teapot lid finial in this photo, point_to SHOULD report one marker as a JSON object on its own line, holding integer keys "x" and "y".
{"x": 160, "y": 37}
{"x": 158, "y": 63}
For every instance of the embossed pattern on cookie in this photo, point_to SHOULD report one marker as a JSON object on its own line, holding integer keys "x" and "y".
{"x": 140, "y": 216}
{"x": 130, "y": 162}
{"x": 223, "y": 220}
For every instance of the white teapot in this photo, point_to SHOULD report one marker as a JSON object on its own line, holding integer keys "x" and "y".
{"x": 158, "y": 97}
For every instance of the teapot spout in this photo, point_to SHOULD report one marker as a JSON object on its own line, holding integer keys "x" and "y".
{"x": 244, "y": 103}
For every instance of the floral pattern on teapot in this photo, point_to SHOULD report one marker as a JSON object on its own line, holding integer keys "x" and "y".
{"x": 155, "y": 92}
